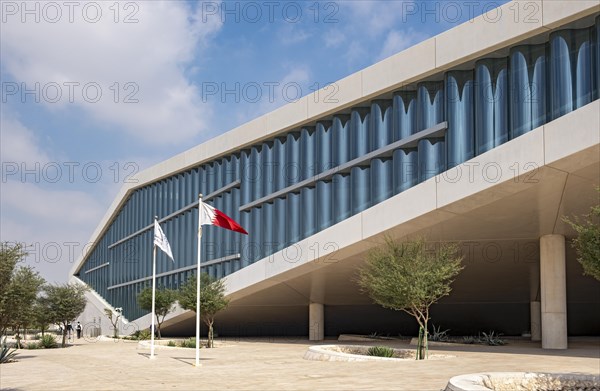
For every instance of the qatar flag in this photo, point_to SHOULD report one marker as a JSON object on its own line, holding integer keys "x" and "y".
{"x": 213, "y": 216}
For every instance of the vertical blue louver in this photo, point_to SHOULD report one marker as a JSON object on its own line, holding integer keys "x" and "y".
{"x": 292, "y": 173}
{"x": 596, "y": 47}
{"x": 430, "y": 112}
{"x": 279, "y": 218}
{"x": 570, "y": 71}
{"x": 324, "y": 162}
{"x": 405, "y": 171}
{"x": 341, "y": 154}
{"x": 359, "y": 146}
{"x": 528, "y": 100}
{"x": 382, "y": 121}
{"x": 491, "y": 103}
{"x": 308, "y": 162}
{"x": 460, "y": 136}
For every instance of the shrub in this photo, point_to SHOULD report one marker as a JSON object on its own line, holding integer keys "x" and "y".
{"x": 144, "y": 334}
{"x": 33, "y": 346}
{"x": 438, "y": 335}
{"x": 188, "y": 343}
{"x": 380, "y": 351}
{"x": 48, "y": 342}
{"x": 7, "y": 354}
{"x": 171, "y": 343}
{"x": 491, "y": 339}
{"x": 140, "y": 335}
{"x": 470, "y": 340}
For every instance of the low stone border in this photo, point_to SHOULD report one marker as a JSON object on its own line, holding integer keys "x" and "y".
{"x": 362, "y": 338}
{"x": 358, "y": 353}
{"x": 523, "y": 381}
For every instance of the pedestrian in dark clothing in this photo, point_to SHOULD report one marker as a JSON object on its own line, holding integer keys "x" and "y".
{"x": 78, "y": 328}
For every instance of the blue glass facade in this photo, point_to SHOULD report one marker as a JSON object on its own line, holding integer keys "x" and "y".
{"x": 497, "y": 100}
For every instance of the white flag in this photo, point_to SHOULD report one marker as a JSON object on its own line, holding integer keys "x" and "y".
{"x": 160, "y": 240}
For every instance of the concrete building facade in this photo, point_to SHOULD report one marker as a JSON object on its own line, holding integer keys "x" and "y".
{"x": 485, "y": 135}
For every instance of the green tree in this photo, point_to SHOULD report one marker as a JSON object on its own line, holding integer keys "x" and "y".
{"x": 164, "y": 300}
{"x": 114, "y": 320}
{"x": 212, "y": 300}
{"x": 19, "y": 298}
{"x": 406, "y": 277}
{"x": 587, "y": 242}
{"x": 10, "y": 255}
{"x": 41, "y": 316}
{"x": 64, "y": 303}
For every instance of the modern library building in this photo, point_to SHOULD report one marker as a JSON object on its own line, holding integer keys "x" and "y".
{"x": 486, "y": 135}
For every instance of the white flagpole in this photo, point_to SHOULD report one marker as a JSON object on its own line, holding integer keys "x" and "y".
{"x": 198, "y": 283}
{"x": 153, "y": 295}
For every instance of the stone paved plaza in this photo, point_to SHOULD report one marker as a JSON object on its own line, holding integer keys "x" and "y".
{"x": 253, "y": 364}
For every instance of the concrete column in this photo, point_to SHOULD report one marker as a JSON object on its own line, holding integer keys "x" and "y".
{"x": 553, "y": 291}
{"x": 316, "y": 322}
{"x": 535, "y": 307}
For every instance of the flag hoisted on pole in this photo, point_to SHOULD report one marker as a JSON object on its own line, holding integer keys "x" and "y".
{"x": 160, "y": 240}
{"x": 208, "y": 215}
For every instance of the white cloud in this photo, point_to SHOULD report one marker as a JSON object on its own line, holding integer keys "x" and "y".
{"x": 151, "y": 54}
{"x": 18, "y": 144}
{"x": 397, "y": 41}
{"x": 55, "y": 224}
{"x": 333, "y": 38}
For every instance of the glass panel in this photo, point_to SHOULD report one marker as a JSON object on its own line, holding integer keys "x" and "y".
{"x": 460, "y": 135}
{"x": 430, "y": 112}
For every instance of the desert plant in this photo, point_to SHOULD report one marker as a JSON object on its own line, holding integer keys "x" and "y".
{"x": 407, "y": 277}
{"x": 142, "y": 334}
{"x": 64, "y": 304}
{"x": 587, "y": 242}
{"x": 380, "y": 351}
{"x": 212, "y": 300}
{"x": 171, "y": 343}
{"x": 33, "y": 346}
{"x": 114, "y": 320}
{"x": 188, "y": 343}
{"x": 7, "y": 354}
{"x": 491, "y": 339}
{"x": 438, "y": 335}
{"x": 163, "y": 303}
{"x": 48, "y": 342}
{"x": 470, "y": 340}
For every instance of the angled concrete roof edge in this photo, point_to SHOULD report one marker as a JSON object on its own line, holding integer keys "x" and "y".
{"x": 424, "y": 59}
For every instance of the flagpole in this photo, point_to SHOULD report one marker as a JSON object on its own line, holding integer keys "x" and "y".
{"x": 198, "y": 282}
{"x": 153, "y": 295}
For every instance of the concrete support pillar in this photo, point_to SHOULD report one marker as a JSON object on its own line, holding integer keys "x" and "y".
{"x": 553, "y": 285}
{"x": 535, "y": 307}
{"x": 316, "y": 322}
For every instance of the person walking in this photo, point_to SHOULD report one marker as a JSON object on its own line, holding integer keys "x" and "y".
{"x": 78, "y": 329}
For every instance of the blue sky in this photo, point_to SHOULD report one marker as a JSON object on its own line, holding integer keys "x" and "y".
{"x": 94, "y": 91}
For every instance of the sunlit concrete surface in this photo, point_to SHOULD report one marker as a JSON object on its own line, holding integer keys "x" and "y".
{"x": 276, "y": 364}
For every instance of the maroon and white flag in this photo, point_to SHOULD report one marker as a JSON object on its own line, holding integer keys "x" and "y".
{"x": 213, "y": 216}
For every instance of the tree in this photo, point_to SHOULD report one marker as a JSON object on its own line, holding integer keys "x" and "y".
{"x": 41, "y": 316}
{"x": 19, "y": 293}
{"x": 114, "y": 321}
{"x": 64, "y": 303}
{"x": 587, "y": 242}
{"x": 212, "y": 300}
{"x": 164, "y": 300}
{"x": 406, "y": 277}
{"x": 10, "y": 255}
